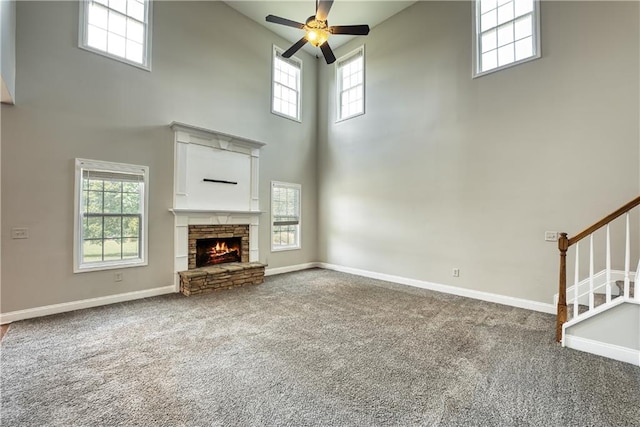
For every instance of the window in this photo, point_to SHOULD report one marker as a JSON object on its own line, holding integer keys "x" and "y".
{"x": 505, "y": 34}
{"x": 350, "y": 83}
{"x": 119, "y": 29}
{"x": 285, "y": 216}
{"x": 286, "y": 85}
{"x": 110, "y": 229}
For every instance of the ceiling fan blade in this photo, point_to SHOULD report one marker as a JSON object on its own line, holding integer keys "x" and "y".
{"x": 328, "y": 53}
{"x": 296, "y": 47}
{"x": 284, "y": 21}
{"x": 355, "y": 30}
{"x": 323, "y": 9}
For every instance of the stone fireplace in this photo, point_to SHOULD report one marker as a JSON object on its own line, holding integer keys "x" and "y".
{"x": 216, "y": 210}
{"x": 217, "y": 244}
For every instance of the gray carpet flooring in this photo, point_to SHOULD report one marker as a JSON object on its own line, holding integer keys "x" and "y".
{"x": 309, "y": 348}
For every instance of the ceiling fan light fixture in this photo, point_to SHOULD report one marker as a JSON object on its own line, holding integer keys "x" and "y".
{"x": 317, "y": 36}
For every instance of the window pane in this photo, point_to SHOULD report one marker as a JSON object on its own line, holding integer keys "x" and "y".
{"x": 487, "y": 5}
{"x": 523, "y": 27}
{"x": 116, "y": 45}
{"x": 489, "y": 60}
{"x": 524, "y": 48}
{"x": 119, "y": 5}
{"x": 489, "y": 41}
{"x": 505, "y": 34}
{"x": 131, "y": 203}
{"x": 131, "y": 187}
{"x": 112, "y": 249}
{"x": 134, "y": 51}
{"x": 505, "y": 55}
{"x": 93, "y": 202}
{"x": 130, "y": 248}
{"x": 112, "y": 202}
{"x": 488, "y": 20}
{"x": 112, "y": 227}
{"x": 97, "y": 185}
{"x": 523, "y": 6}
{"x": 92, "y": 228}
{"x": 130, "y": 227}
{"x": 505, "y": 13}
{"x": 113, "y": 186}
{"x": 135, "y": 9}
{"x": 96, "y": 38}
{"x": 92, "y": 251}
{"x": 135, "y": 31}
{"x": 117, "y": 24}
{"x": 98, "y": 16}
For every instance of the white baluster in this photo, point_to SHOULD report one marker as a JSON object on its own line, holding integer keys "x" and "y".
{"x": 591, "y": 272}
{"x": 576, "y": 280}
{"x": 636, "y": 279}
{"x": 608, "y": 285}
{"x": 627, "y": 260}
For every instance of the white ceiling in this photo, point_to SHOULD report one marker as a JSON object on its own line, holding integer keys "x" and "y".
{"x": 343, "y": 12}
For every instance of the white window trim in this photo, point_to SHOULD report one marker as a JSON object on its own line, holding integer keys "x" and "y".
{"x": 276, "y": 50}
{"x": 292, "y": 247}
{"x": 339, "y": 84}
{"x": 82, "y": 37}
{"x": 78, "y": 265}
{"x": 476, "y": 50}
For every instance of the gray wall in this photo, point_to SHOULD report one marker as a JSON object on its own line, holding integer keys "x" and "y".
{"x": 445, "y": 171}
{"x": 211, "y": 67}
{"x": 8, "y": 49}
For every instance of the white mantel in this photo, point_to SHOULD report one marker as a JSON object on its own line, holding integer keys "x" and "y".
{"x": 206, "y": 154}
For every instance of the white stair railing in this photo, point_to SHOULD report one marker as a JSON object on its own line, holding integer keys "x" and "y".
{"x": 611, "y": 276}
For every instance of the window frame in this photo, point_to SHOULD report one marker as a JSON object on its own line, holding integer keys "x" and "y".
{"x": 97, "y": 165}
{"x": 360, "y": 51}
{"x": 298, "y": 245}
{"x": 276, "y": 51}
{"x": 148, "y": 27}
{"x": 476, "y": 48}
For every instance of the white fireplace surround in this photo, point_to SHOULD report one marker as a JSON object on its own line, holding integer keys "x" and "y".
{"x": 215, "y": 182}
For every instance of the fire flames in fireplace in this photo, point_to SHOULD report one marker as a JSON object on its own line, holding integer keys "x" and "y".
{"x": 217, "y": 251}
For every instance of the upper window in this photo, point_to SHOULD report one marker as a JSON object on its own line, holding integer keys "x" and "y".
{"x": 506, "y": 33}
{"x": 119, "y": 29}
{"x": 286, "y": 85}
{"x": 285, "y": 216}
{"x": 350, "y": 83}
{"x": 110, "y": 216}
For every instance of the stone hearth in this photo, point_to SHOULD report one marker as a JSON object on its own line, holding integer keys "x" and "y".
{"x": 222, "y": 276}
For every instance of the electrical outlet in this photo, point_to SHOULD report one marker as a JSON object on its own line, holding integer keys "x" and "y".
{"x": 551, "y": 236}
{"x": 456, "y": 272}
{"x": 19, "y": 233}
{"x": 117, "y": 277}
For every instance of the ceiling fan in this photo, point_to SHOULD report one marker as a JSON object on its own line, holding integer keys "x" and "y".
{"x": 317, "y": 30}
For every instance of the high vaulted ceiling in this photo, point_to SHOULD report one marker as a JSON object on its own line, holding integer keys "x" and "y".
{"x": 343, "y": 12}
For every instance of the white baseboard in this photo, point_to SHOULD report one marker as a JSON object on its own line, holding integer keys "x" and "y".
{"x": 290, "y": 268}
{"x": 46, "y": 310}
{"x": 611, "y": 351}
{"x": 469, "y": 293}
{"x": 111, "y": 299}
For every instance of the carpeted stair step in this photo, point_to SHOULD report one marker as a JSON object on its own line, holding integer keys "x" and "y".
{"x": 620, "y": 285}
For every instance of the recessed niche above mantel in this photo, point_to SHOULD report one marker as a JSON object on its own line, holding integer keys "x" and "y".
{"x": 215, "y": 171}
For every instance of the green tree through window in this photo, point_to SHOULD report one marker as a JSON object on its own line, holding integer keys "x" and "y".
{"x": 111, "y": 211}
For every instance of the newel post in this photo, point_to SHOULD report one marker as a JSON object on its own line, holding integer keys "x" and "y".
{"x": 563, "y": 246}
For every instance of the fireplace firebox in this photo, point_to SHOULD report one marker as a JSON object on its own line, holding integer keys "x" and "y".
{"x": 218, "y": 251}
